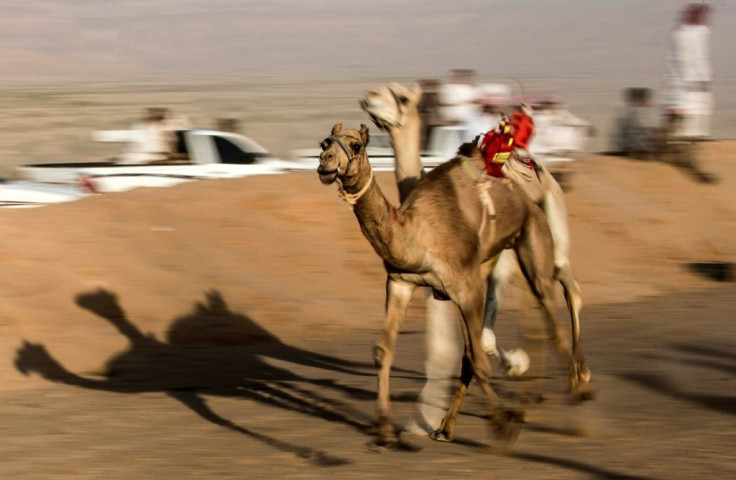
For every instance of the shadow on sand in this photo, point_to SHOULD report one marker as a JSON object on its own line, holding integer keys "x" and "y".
{"x": 709, "y": 358}
{"x": 718, "y": 271}
{"x": 214, "y": 351}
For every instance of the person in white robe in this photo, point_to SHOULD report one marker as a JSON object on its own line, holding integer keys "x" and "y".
{"x": 687, "y": 97}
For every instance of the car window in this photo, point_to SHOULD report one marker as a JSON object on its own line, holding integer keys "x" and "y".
{"x": 231, "y": 153}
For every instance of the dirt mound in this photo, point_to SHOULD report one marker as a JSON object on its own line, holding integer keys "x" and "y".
{"x": 285, "y": 257}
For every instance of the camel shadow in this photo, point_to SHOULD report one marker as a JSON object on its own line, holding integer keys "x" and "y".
{"x": 696, "y": 356}
{"x": 661, "y": 384}
{"x": 214, "y": 351}
{"x": 704, "y": 357}
{"x": 592, "y": 470}
{"x": 718, "y": 271}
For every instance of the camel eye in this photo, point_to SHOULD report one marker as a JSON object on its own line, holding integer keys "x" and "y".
{"x": 357, "y": 147}
{"x": 403, "y": 100}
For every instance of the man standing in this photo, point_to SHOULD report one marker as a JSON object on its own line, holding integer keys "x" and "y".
{"x": 688, "y": 99}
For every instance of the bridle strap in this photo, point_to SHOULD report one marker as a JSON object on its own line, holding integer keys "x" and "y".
{"x": 342, "y": 145}
{"x": 350, "y": 198}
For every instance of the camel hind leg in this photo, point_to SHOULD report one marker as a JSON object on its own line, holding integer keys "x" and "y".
{"x": 579, "y": 372}
{"x": 535, "y": 252}
{"x": 555, "y": 211}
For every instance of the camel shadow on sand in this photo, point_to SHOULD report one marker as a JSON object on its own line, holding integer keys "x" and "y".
{"x": 706, "y": 358}
{"x": 215, "y": 352}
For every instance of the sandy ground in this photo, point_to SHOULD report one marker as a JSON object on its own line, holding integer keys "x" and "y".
{"x": 223, "y": 329}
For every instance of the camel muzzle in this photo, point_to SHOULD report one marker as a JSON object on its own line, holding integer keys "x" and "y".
{"x": 326, "y": 177}
{"x": 326, "y": 174}
{"x": 369, "y": 108}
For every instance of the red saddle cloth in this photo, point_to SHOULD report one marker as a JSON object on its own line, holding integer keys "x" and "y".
{"x": 498, "y": 144}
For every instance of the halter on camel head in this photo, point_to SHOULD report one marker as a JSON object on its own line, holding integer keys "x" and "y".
{"x": 352, "y": 147}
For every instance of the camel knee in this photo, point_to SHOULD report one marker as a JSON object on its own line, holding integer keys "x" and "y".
{"x": 563, "y": 272}
{"x": 379, "y": 353}
{"x": 543, "y": 288}
{"x": 481, "y": 367}
{"x": 483, "y": 375}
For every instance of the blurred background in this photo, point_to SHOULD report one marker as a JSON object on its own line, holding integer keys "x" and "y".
{"x": 72, "y": 66}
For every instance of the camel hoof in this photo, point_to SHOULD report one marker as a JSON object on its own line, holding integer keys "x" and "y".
{"x": 384, "y": 442}
{"x": 384, "y": 433}
{"x": 373, "y": 447}
{"x": 516, "y": 363}
{"x": 488, "y": 341}
{"x": 393, "y": 444}
{"x": 506, "y": 426}
{"x": 381, "y": 439}
{"x": 583, "y": 393}
{"x": 440, "y": 436}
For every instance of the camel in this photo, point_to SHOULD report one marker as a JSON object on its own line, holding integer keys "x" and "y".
{"x": 445, "y": 235}
{"x": 394, "y": 108}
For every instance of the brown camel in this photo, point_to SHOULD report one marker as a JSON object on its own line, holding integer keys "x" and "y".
{"x": 395, "y": 108}
{"x": 444, "y": 235}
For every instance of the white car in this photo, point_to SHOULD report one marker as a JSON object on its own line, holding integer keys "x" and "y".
{"x": 205, "y": 154}
{"x": 20, "y": 194}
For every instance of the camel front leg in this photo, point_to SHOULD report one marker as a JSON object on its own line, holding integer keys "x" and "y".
{"x": 398, "y": 296}
{"x": 475, "y": 364}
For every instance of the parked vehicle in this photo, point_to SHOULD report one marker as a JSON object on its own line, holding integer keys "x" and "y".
{"x": 200, "y": 154}
{"x": 20, "y": 194}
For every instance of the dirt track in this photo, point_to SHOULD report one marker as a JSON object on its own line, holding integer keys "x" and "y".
{"x": 665, "y": 408}
{"x": 156, "y": 335}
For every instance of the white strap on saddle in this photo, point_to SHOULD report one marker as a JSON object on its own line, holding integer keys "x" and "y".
{"x": 489, "y": 209}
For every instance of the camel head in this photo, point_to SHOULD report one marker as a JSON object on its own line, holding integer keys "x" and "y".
{"x": 343, "y": 152}
{"x": 390, "y": 104}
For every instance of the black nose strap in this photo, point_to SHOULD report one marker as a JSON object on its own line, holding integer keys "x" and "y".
{"x": 342, "y": 145}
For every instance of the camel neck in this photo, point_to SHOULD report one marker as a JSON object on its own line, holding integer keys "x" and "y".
{"x": 383, "y": 225}
{"x": 351, "y": 194}
{"x": 406, "y": 143}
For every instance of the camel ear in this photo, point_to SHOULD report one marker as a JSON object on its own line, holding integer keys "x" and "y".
{"x": 364, "y": 134}
{"x": 416, "y": 90}
{"x": 337, "y": 129}
{"x": 394, "y": 87}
